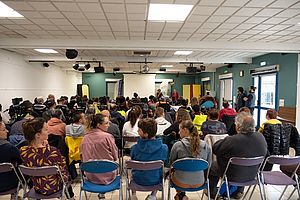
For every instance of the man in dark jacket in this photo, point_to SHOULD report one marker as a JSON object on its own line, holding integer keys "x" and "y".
{"x": 247, "y": 143}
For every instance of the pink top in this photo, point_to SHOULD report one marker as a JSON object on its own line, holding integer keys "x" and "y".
{"x": 98, "y": 144}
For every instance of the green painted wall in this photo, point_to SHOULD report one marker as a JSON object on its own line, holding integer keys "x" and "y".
{"x": 97, "y": 85}
{"x": 287, "y": 75}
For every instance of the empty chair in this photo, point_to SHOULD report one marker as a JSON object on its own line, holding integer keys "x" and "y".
{"x": 191, "y": 165}
{"x": 36, "y": 172}
{"x": 8, "y": 167}
{"x": 100, "y": 167}
{"x": 143, "y": 166}
{"x": 278, "y": 177}
{"x": 243, "y": 163}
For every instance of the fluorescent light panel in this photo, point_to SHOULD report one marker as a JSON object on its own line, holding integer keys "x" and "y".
{"x": 6, "y": 11}
{"x": 185, "y": 53}
{"x": 168, "y": 12}
{"x": 46, "y": 50}
{"x": 167, "y": 66}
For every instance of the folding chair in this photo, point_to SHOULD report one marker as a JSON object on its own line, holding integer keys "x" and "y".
{"x": 243, "y": 162}
{"x": 8, "y": 167}
{"x": 41, "y": 172}
{"x": 278, "y": 177}
{"x": 99, "y": 167}
{"x": 144, "y": 166}
{"x": 126, "y": 138}
{"x": 211, "y": 139}
{"x": 189, "y": 165}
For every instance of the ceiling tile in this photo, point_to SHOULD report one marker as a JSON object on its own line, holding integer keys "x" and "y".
{"x": 204, "y": 30}
{"x": 135, "y": 1}
{"x": 43, "y": 6}
{"x": 32, "y": 27}
{"x": 292, "y": 21}
{"x": 237, "y": 3}
{"x": 137, "y": 33}
{"x": 226, "y": 11}
{"x": 268, "y": 32}
{"x": 297, "y": 5}
{"x": 262, "y": 26}
{"x": 56, "y": 32}
{"x": 197, "y": 18}
{"x": 53, "y": 15}
{"x": 67, "y": 6}
{"x": 247, "y": 11}
{"x": 98, "y": 22}
{"x": 236, "y": 31}
{"x": 236, "y": 19}
{"x": 114, "y": 8}
{"x": 252, "y": 32}
{"x": 61, "y": 22}
{"x": 74, "y": 15}
{"x": 136, "y": 28}
{"x": 31, "y": 14}
{"x": 116, "y": 16}
{"x": 283, "y": 3}
{"x": 18, "y": 5}
{"x": 72, "y": 33}
{"x": 90, "y": 7}
{"x": 204, "y": 10}
{"x": 274, "y": 20}
{"x": 217, "y": 18}
{"x": 89, "y": 33}
{"x": 256, "y": 20}
{"x": 245, "y": 26}
{"x": 289, "y": 13}
{"x": 279, "y": 27}
{"x": 259, "y": 3}
{"x": 84, "y": 28}
{"x": 102, "y": 28}
{"x": 227, "y": 26}
{"x": 67, "y": 28}
{"x": 49, "y": 27}
{"x": 41, "y": 21}
{"x": 81, "y": 22}
{"x": 268, "y": 12}
{"x": 210, "y": 25}
{"x": 136, "y": 8}
{"x": 14, "y": 27}
{"x": 220, "y": 31}
{"x": 210, "y": 2}
{"x": 93, "y": 15}
{"x": 7, "y": 21}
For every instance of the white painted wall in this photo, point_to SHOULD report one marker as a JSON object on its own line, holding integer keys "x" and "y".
{"x": 19, "y": 78}
{"x": 143, "y": 84}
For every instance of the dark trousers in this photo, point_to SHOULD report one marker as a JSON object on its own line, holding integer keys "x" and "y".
{"x": 214, "y": 176}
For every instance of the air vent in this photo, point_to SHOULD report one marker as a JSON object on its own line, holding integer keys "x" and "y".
{"x": 141, "y": 53}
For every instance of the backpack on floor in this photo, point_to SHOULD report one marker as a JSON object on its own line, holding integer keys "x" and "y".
{"x": 232, "y": 190}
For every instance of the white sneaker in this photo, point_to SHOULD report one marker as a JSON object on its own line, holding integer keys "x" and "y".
{"x": 150, "y": 197}
{"x": 101, "y": 196}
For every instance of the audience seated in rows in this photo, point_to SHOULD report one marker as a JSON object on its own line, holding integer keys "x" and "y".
{"x": 247, "y": 143}
{"x": 232, "y": 129}
{"x": 39, "y": 154}
{"x": 212, "y": 125}
{"x": 98, "y": 144}
{"x": 190, "y": 145}
{"x": 148, "y": 148}
{"x": 9, "y": 154}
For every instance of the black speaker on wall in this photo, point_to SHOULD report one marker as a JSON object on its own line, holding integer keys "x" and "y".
{"x": 99, "y": 69}
{"x": 191, "y": 70}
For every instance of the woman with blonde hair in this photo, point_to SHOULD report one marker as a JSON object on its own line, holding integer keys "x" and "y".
{"x": 190, "y": 146}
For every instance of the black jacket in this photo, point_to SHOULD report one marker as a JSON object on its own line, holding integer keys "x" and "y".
{"x": 280, "y": 137}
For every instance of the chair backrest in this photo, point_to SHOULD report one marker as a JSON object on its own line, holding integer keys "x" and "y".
{"x": 39, "y": 171}
{"x": 283, "y": 160}
{"x": 141, "y": 165}
{"x": 127, "y": 138}
{"x": 247, "y": 162}
{"x": 99, "y": 166}
{"x": 190, "y": 164}
{"x": 211, "y": 139}
{"x": 6, "y": 167}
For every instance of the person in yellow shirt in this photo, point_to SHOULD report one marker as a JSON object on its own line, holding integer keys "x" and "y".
{"x": 271, "y": 117}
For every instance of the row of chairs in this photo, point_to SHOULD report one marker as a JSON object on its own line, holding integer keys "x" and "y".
{"x": 187, "y": 164}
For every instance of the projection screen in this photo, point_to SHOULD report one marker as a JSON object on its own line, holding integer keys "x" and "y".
{"x": 143, "y": 84}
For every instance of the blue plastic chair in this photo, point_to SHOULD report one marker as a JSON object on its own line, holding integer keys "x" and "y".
{"x": 98, "y": 167}
{"x": 189, "y": 165}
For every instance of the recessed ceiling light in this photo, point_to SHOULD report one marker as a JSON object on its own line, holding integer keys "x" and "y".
{"x": 185, "y": 53}
{"x": 167, "y": 66}
{"x": 46, "y": 50}
{"x": 168, "y": 12}
{"x": 6, "y": 11}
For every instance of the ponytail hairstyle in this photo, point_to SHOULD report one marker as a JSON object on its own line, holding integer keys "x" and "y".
{"x": 134, "y": 114}
{"x": 195, "y": 139}
{"x": 31, "y": 127}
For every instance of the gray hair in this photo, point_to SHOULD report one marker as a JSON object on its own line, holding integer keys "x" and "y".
{"x": 245, "y": 122}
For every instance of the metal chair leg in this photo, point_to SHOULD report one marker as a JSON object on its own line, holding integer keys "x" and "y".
{"x": 227, "y": 188}
{"x": 292, "y": 193}
{"x": 246, "y": 192}
{"x": 283, "y": 192}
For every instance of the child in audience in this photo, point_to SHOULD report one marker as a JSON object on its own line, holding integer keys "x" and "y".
{"x": 189, "y": 146}
{"x": 148, "y": 148}
{"x": 271, "y": 117}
